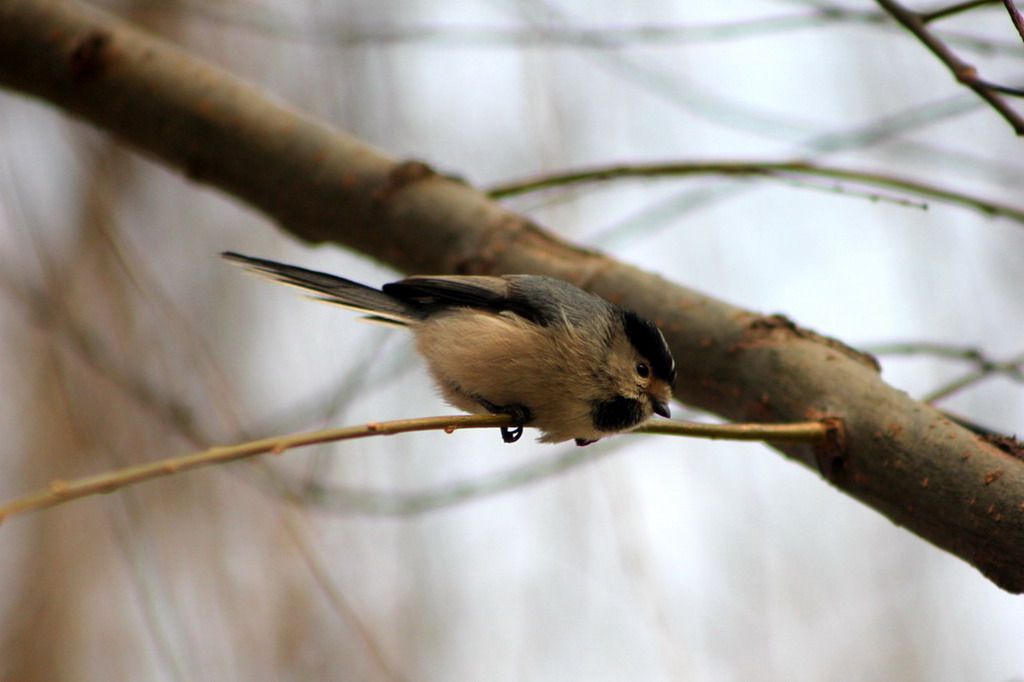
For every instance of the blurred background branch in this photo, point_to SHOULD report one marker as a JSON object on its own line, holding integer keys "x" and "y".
{"x": 785, "y": 170}
{"x": 917, "y": 24}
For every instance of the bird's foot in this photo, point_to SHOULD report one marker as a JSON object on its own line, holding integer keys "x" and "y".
{"x": 520, "y": 415}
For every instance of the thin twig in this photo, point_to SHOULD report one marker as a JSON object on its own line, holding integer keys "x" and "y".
{"x": 1015, "y": 16}
{"x": 955, "y": 8}
{"x": 1011, "y": 369}
{"x": 62, "y": 491}
{"x": 800, "y": 432}
{"x": 341, "y": 33}
{"x": 964, "y": 73}
{"x": 784, "y": 170}
{"x": 944, "y": 350}
{"x": 349, "y": 500}
{"x": 984, "y": 366}
{"x": 1004, "y": 89}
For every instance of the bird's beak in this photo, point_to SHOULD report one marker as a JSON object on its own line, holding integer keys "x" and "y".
{"x": 661, "y": 408}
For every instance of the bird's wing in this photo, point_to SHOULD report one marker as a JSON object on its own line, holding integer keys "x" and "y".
{"x": 475, "y": 292}
{"x": 496, "y": 294}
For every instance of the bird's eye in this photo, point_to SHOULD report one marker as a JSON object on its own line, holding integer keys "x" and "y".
{"x": 642, "y": 369}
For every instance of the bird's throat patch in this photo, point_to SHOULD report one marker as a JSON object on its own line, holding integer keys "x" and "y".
{"x": 616, "y": 414}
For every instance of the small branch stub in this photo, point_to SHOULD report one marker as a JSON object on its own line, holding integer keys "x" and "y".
{"x": 831, "y": 451}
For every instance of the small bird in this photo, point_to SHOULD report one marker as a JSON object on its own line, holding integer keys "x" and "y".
{"x": 544, "y": 352}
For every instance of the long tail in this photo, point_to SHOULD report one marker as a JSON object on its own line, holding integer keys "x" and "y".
{"x": 331, "y": 289}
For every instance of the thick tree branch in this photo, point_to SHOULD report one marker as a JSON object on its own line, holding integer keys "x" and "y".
{"x": 900, "y": 456}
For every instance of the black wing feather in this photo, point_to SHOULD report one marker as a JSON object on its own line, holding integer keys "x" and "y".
{"x": 487, "y": 293}
{"x": 449, "y": 290}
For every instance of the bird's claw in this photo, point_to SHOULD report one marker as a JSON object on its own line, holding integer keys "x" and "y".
{"x": 510, "y": 434}
{"x": 520, "y": 415}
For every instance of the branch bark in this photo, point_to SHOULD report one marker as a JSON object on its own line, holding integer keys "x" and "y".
{"x": 897, "y": 455}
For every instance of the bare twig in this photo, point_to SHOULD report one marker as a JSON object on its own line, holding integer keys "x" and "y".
{"x": 64, "y": 491}
{"x": 1011, "y": 368}
{"x": 955, "y": 8}
{"x": 943, "y": 350}
{"x": 349, "y": 500}
{"x": 340, "y": 32}
{"x": 1004, "y": 89}
{"x": 776, "y": 170}
{"x": 965, "y": 73}
{"x": 984, "y": 366}
{"x": 801, "y": 432}
{"x": 971, "y": 354}
{"x": 1015, "y": 17}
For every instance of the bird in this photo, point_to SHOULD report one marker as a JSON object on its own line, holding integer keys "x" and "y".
{"x": 541, "y": 350}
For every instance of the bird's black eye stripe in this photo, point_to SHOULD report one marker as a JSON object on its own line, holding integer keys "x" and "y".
{"x": 643, "y": 370}
{"x": 650, "y": 345}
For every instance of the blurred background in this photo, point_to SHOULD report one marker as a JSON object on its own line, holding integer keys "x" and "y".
{"x": 433, "y": 557}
